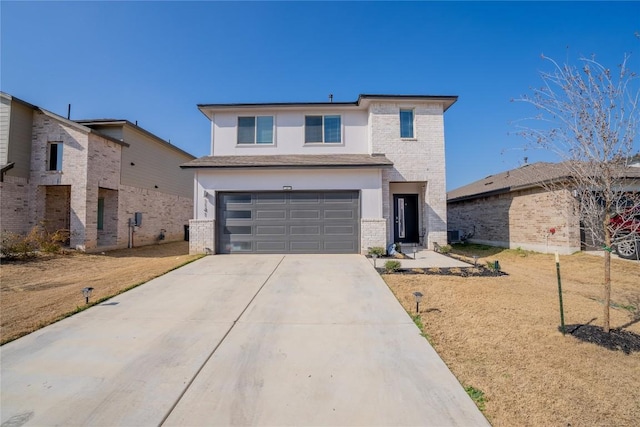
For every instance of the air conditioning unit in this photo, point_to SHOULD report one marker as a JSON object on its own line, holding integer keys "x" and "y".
{"x": 453, "y": 236}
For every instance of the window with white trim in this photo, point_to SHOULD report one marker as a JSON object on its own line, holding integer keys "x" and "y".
{"x": 255, "y": 130}
{"x": 406, "y": 123}
{"x": 54, "y": 156}
{"x": 323, "y": 129}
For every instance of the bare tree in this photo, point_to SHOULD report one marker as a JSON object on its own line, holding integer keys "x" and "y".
{"x": 588, "y": 116}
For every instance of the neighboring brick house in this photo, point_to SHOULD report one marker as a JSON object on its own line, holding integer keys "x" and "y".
{"x": 513, "y": 210}
{"x": 91, "y": 178}
{"x": 321, "y": 177}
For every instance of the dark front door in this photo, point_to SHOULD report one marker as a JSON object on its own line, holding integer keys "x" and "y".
{"x": 405, "y": 213}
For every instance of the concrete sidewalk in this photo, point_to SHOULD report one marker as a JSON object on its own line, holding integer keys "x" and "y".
{"x": 237, "y": 340}
{"x": 424, "y": 259}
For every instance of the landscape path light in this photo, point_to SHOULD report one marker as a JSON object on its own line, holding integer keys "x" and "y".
{"x": 87, "y": 293}
{"x": 418, "y": 297}
{"x": 475, "y": 260}
{"x": 375, "y": 257}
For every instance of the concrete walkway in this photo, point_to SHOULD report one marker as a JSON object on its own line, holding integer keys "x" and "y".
{"x": 424, "y": 259}
{"x": 237, "y": 340}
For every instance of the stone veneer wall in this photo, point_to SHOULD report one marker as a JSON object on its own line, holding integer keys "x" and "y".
{"x": 520, "y": 219}
{"x": 202, "y": 236}
{"x": 373, "y": 232}
{"x": 91, "y": 167}
{"x": 420, "y": 159}
{"x": 14, "y": 205}
{"x": 160, "y": 211}
{"x": 57, "y": 207}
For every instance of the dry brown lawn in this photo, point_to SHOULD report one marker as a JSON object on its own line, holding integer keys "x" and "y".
{"x": 39, "y": 291}
{"x": 500, "y": 335}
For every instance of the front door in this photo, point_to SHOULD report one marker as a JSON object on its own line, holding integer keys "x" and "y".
{"x": 405, "y": 212}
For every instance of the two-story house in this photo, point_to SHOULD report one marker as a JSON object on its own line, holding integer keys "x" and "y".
{"x": 328, "y": 177}
{"x": 110, "y": 183}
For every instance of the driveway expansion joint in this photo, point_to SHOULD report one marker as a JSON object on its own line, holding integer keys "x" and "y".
{"x": 233, "y": 324}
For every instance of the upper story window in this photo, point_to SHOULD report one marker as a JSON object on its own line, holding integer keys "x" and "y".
{"x": 406, "y": 123}
{"x": 322, "y": 129}
{"x": 255, "y": 130}
{"x": 54, "y": 156}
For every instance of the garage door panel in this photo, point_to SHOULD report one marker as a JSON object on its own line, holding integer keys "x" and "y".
{"x": 240, "y": 214}
{"x": 340, "y": 246}
{"x": 271, "y": 230}
{"x": 304, "y": 230}
{"x": 271, "y": 246}
{"x": 313, "y": 246}
{"x": 271, "y": 198}
{"x": 288, "y": 222}
{"x": 304, "y": 198}
{"x": 339, "y": 214}
{"x": 238, "y": 229}
{"x": 271, "y": 215}
{"x": 339, "y": 230}
{"x": 304, "y": 214}
{"x": 236, "y": 198}
{"x": 341, "y": 198}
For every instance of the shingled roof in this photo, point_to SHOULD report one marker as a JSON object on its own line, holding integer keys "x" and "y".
{"x": 527, "y": 176}
{"x": 291, "y": 161}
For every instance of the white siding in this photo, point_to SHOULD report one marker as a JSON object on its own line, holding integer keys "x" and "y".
{"x": 18, "y": 147}
{"x": 289, "y": 134}
{"x": 154, "y": 165}
{"x": 366, "y": 180}
{"x": 5, "y": 114}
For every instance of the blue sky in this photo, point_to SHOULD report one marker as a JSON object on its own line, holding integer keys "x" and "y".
{"x": 154, "y": 61}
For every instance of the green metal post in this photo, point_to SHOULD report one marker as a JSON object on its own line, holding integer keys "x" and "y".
{"x": 560, "y": 294}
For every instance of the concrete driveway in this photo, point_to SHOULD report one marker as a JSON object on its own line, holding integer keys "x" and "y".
{"x": 237, "y": 340}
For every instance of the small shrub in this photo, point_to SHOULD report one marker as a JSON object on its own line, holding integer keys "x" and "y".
{"x": 15, "y": 246}
{"x": 399, "y": 247}
{"x": 445, "y": 249}
{"x": 377, "y": 250}
{"x": 51, "y": 242}
{"x": 392, "y": 266}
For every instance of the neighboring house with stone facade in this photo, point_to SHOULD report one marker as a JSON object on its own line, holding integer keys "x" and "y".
{"x": 321, "y": 177}
{"x": 513, "y": 210}
{"x": 91, "y": 178}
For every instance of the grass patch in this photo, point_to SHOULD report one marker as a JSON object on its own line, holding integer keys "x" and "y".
{"x": 31, "y": 300}
{"x": 501, "y": 336}
{"x": 84, "y": 307}
{"x": 477, "y": 396}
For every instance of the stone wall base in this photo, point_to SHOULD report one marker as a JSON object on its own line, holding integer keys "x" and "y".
{"x": 373, "y": 232}
{"x": 202, "y": 239}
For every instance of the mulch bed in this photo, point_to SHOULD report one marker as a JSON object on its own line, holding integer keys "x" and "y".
{"x": 616, "y": 339}
{"x": 478, "y": 271}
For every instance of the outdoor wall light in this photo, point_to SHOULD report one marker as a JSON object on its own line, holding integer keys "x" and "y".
{"x": 287, "y": 187}
{"x": 418, "y": 297}
{"x": 87, "y": 293}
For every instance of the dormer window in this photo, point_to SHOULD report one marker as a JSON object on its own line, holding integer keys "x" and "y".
{"x": 322, "y": 129}
{"x": 255, "y": 130}
{"x": 406, "y": 123}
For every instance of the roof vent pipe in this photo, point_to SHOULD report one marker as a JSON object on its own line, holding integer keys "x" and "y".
{"x": 69, "y": 112}
{"x": 331, "y": 97}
